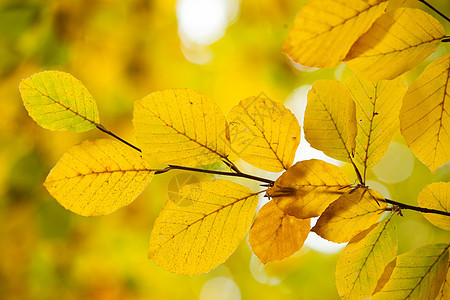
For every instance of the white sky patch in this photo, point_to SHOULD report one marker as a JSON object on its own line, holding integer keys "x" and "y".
{"x": 319, "y": 244}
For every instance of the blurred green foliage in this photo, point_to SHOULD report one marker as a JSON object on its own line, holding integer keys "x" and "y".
{"x": 123, "y": 50}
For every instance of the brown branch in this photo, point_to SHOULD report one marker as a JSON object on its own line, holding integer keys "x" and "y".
{"x": 435, "y": 10}
{"x": 416, "y": 208}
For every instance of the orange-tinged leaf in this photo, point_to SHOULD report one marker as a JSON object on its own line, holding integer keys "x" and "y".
{"x": 377, "y": 109}
{"x": 323, "y": 25}
{"x": 444, "y": 293}
{"x": 418, "y": 274}
{"x": 330, "y": 119}
{"x": 364, "y": 259}
{"x": 197, "y": 238}
{"x": 275, "y": 235}
{"x": 58, "y": 101}
{"x": 397, "y": 42}
{"x": 264, "y": 133}
{"x": 349, "y": 215}
{"x": 308, "y": 187}
{"x": 98, "y": 177}
{"x": 181, "y": 126}
{"x": 436, "y": 196}
{"x": 384, "y": 278}
{"x": 425, "y": 114}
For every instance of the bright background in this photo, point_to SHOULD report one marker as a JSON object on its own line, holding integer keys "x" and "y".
{"x": 123, "y": 50}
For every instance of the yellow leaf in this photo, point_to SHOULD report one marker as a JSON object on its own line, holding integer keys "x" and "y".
{"x": 98, "y": 177}
{"x": 308, "y": 187}
{"x": 418, "y": 274}
{"x": 264, "y": 133}
{"x": 424, "y": 117}
{"x": 436, "y": 196}
{"x": 325, "y": 30}
{"x": 397, "y": 42}
{"x": 377, "y": 110}
{"x": 349, "y": 215}
{"x": 364, "y": 259}
{"x": 181, "y": 126}
{"x": 384, "y": 278}
{"x": 444, "y": 293}
{"x": 197, "y": 238}
{"x": 330, "y": 119}
{"x": 275, "y": 235}
{"x": 58, "y": 101}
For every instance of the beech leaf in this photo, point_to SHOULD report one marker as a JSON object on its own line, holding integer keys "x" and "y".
{"x": 197, "y": 238}
{"x": 425, "y": 114}
{"x": 97, "y": 177}
{"x": 58, "y": 101}
{"x": 264, "y": 133}
{"x": 436, "y": 196}
{"x": 275, "y": 235}
{"x": 322, "y": 25}
{"x": 397, "y": 42}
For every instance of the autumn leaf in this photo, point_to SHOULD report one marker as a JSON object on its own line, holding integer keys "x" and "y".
{"x": 364, "y": 259}
{"x": 275, "y": 235}
{"x": 308, "y": 187}
{"x": 436, "y": 196}
{"x": 330, "y": 119}
{"x": 424, "y": 117}
{"x": 444, "y": 293}
{"x": 323, "y": 25}
{"x": 98, "y": 177}
{"x": 197, "y": 238}
{"x": 418, "y": 274}
{"x": 397, "y": 42}
{"x": 181, "y": 126}
{"x": 377, "y": 110}
{"x": 349, "y": 215}
{"x": 58, "y": 101}
{"x": 385, "y": 276}
{"x": 264, "y": 133}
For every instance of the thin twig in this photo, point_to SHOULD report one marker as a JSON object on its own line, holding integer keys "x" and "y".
{"x": 435, "y": 10}
{"x": 416, "y": 208}
{"x": 103, "y": 129}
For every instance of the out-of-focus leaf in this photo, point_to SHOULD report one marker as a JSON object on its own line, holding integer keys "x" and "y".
{"x": 181, "y": 126}
{"x": 364, "y": 259}
{"x": 436, "y": 196}
{"x": 330, "y": 119}
{"x": 197, "y": 238}
{"x": 424, "y": 117}
{"x": 275, "y": 235}
{"x": 377, "y": 109}
{"x": 349, "y": 215}
{"x": 264, "y": 133}
{"x": 98, "y": 177}
{"x": 325, "y": 30}
{"x": 308, "y": 187}
{"x": 58, "y": 101}
{"x": 418, "y": 274}
{"x": 397, "y": 42}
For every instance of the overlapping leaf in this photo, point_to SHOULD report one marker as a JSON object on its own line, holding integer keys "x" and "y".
{"x": 323, "y": 25}
{"x": 436, "y": 196}
{"x": 264, "y": 133}
{"x": 418, "y": 274}
{"x": 397, "y": 42}
{"x": 330, "y": 119}
{"x": 364, "y": 259}
{"x": 98, "y": 177}
{"x": 195, "y": 239}
{"x": 349, "y": 215}
{"x": 275, "y": 235}
{"x": 181, "y": 126}
{"x": 425, "y": 114}
{"x": 308, "y": 187}
{"x": 377, "y": 110}
{"x": 444, "y": 293}
{"x": 58, "y": 101}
